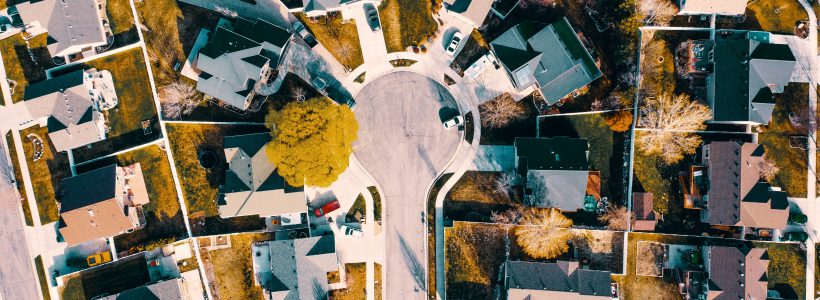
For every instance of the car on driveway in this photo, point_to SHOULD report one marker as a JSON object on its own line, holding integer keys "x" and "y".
{"x": 796, "y": 236}
{"x": 300, "y": 29}
{"x": 454, "y": 42}
{"x": 454, "y": 122}
{"x": 347, "y": 230}
{"x": 372, "y": 16}
{"x": 98, "y": 258}
{"x": 329, "y": 207}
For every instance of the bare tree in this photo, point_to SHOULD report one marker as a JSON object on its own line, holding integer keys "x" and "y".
{"x": 504, "y": 184}
{"x": 178, "y": 99}
{"x": 544, "y": 234}
{"x": 226, "y": 11}
{"x": 801, "y": 119}
{"x": 539, "y": 192}
{"x": 611, "y": 102}
{"x": 616, "y": 217}
{"x": 500, "y": 111}
{"x": 768, "y": 170}
{"x": 657, "y": 12}
{"x": 669, "y": 122}
{"x": 297, "y": 92}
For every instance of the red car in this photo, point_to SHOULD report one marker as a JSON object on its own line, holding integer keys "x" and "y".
{"x": 329, "y": 207}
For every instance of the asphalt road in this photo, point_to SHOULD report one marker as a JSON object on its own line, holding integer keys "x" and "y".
{"x": 404, "y": 146}
{"x": 18, "y": 279}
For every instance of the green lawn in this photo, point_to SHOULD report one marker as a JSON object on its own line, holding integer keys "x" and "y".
{"x": 200, "y": 185}
{"x": 136, "y": 102}
{"x": 406, "y": 23}
{"x": 20, "y": 67}
{"x": 791, "y": 161}
{"x": 41, "y": 276}
{"x": 777, "y": 16}
{"x": 164, "y": 221}
{"x": 356, "y": 283}
{"x": 232, "y": 268}
{"x": 787, "y": 267}
{"x": 72, "y": 289}
{"x": 46, "y": 173}
{"x": 339, "y": 37}
{"x": 18, "y": 179}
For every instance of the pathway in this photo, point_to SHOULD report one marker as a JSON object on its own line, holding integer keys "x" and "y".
{"x": 811, "y": 181}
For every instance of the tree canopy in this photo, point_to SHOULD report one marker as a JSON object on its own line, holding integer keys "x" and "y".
{"x": 312, "y": 141}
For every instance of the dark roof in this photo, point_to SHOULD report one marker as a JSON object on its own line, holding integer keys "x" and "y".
{"x": 233, "y": 184}
{"x": 250, "y": 143}
{"x": 53, "y": 85}
{"x": 724, "y": 183}
{"x": 277, "y": 182}
{"x": 739, "y": 86}
{"x": 561, "y": 276}
{"x": 262, "y": 31}
{"x": 225, "y": 41}
{"x": 163, "y": 290}
{"x": 325, "y": 245}
{"x": 88, "y": 188}
{"x": 551, "y": 56}
{"x": 256, "y": 60}
{"x": 558, "y": 153}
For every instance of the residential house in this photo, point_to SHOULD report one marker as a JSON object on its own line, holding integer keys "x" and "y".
{"x": 731, "y": 273}
{"x": 173, "y": 289}
{"x": 71, "y": 106}
{"x": 239, "y": 59}
{"x": 643, "y": 211}
{"x": 474, "y": 12}
{"x": 73, "y": 26}
{"x": 550, "y": 58}
{"x": 252, "y": 185}
{"x": 102, "y": 203}
{"x": 712, "y": 7}
{"x": 729, "y": 191}
{"x": 319, "y": 8}
{"x": 295, "y": 268}
{"x": 747, "y": 69}
{"x": 560, "y": 280}
{"x": 555, "y": 171}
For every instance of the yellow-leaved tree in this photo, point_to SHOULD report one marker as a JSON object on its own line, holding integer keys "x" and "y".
{"x": 312, "y": 141}
{"x": 543, "y": 233}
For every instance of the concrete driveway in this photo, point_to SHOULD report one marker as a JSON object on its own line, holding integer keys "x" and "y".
{"x": 404, "y": 146}
{"x": 18, "y": 279}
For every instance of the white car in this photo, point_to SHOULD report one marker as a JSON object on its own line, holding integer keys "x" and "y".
{"x": 454, "y": 42}
{"x": 454, "y": 122}
{"x": 351, "y": 231}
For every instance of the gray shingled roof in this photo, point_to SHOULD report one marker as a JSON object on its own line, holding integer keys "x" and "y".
{"x": 88, "y": 188}
{"x": 69, "y": 22}
{"x": 298, "y": 268}
{"x": 233, "y": 59}
{"x": 550, "y": 55}
{"x": 561, "y": 276}
{"x": 163, "y": 290}
{"x": 747, "y": 71}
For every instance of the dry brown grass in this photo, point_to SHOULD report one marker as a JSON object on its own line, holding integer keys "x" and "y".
{"x": 233, "y": 268}
{"x": 478, "y": 187}
{"x": 46, "y": 173}
{"x": 650, "y": 257}
{"x": 474, "y": 253}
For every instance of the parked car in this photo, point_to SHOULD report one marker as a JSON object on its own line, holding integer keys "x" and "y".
{"x": 300, "y": 29}
{"x": 329, "y": 207}
{"x": 351, "y": 231}
{"x": 796, "y": 236}
{"x": 797, "y": 218}
{"x": 454, "y": 122}
{"x": 372, "y": 16}
{"x": 98, "y": 258}
{"x": 454, "y": 42}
